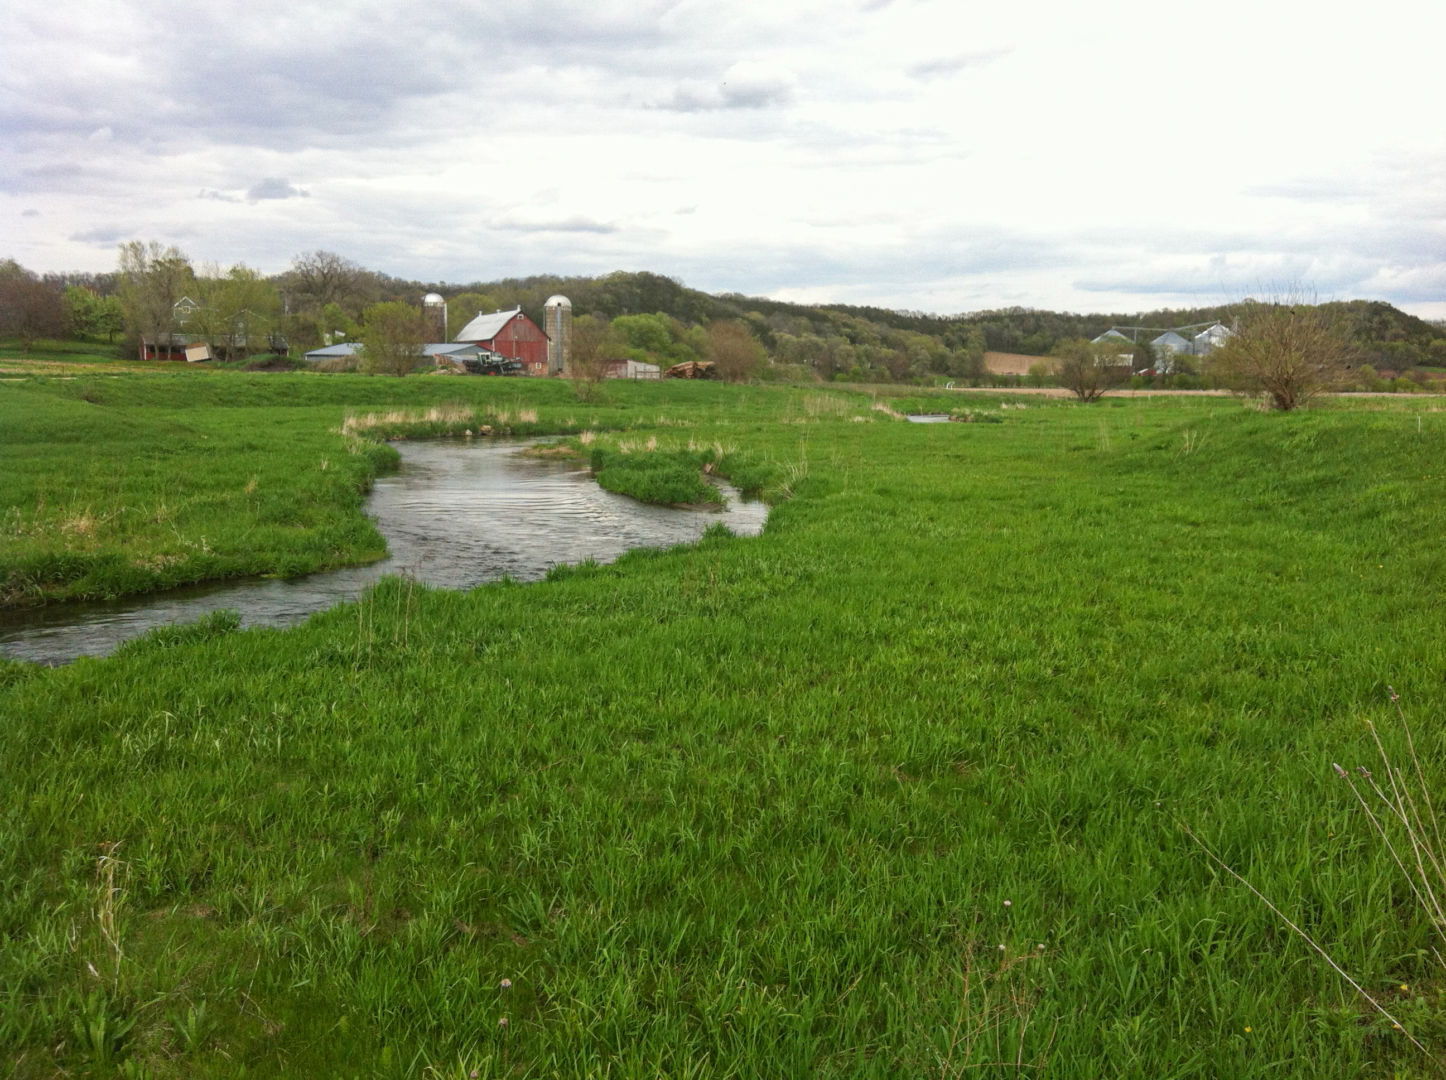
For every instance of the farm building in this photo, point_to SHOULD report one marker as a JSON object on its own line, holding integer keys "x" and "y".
{"x": 444, "y": 354}
{"x": 340, "y": 351}
{"x": 1110, "y": 335}
{"x": 200, "y": 333}
{"x": 1209, "y": 339}
{"x": 633, "y": 369}
{"x": 512, "y": 334}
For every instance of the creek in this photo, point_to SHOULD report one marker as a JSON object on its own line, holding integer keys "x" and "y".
{"x": 454, "y": 516}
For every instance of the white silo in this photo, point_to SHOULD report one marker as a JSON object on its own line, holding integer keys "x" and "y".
{"x": 557, "y": 321}
{"x": 434, "y": 307}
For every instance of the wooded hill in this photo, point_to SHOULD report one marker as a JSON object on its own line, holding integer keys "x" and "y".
{"x": 325, "y": 294}
{"x": 1389, "y": 338}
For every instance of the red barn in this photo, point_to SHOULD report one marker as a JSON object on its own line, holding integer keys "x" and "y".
{"x": 512, "y": 334}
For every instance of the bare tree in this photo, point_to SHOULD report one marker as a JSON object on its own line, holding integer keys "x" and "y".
{"x": 152, "y": 279}
{"x": 1289, "y": 351}
{"x": 1087, "y": 368}
{"x": 735, "y": 353}
{"x": 318, "y": 278}
{"x": 29, "y": 308}
{"x": 392, "y": 339}
{"x": 593, "y": 346}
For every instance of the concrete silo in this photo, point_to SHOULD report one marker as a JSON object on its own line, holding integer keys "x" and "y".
{"x": 557, "y": 321}
{"x": 435, "y": 310}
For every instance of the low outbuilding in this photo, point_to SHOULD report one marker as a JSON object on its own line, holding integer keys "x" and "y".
{"x": 342, "y": 350}
{"x": 633, "y": 369}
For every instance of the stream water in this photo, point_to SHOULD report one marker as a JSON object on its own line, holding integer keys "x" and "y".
{"x": 453, "y": 515}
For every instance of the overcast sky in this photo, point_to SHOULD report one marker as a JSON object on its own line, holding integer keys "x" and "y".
{"x": 943, "y": 156}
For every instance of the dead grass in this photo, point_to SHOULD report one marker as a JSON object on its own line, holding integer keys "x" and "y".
{"x": 437, "y": 414}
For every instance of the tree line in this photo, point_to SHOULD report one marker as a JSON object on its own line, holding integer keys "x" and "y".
{"x": 323, "y": 297}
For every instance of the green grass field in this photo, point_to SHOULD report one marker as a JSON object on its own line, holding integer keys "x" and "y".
{"x": 895, "y": 789}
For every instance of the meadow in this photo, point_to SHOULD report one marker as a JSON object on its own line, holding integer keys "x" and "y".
{"x": 898, "y": 788}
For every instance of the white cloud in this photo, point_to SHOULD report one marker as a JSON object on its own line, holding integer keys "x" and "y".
{"x": 919, "y": 153}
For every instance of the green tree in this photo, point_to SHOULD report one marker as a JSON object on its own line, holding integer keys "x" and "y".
{"x": 464, "y": 307}
{"x": 90, "y": 315}
{"x": 392, "y": 338}
{"x": 650, "y": 334}
{"x": 152, "y": 279}
{"x": 238, "y": 310}
{"x": 336, "y": 325}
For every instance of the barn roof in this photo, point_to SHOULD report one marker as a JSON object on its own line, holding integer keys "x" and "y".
{"x": 344, "y": 348}
{"x": 452, "y": 348}
{"x": 487, "y": 327}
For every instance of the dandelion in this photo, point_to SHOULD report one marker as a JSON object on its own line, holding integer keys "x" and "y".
{"x": 1008, "y": 903}
{"x": 1247, "y": 1029}
{"x": 502, "y": 1023}
{"x": 506, "y": 984}
{"x": 1405, "y": 988}
{"x": 1040, "y": 946}
{"x": 1001, "y": 948}
{"x": 474, "y": 1074}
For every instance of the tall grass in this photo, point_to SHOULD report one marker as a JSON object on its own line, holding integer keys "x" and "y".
{"x": 804, "y": 804}
{"x": 119, "y": 485}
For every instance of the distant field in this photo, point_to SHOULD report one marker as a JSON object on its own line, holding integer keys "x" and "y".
{"x": 898, "y": 788}
{"x": 1006, "y": 363}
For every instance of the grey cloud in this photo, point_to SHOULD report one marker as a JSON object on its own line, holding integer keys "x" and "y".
{"x": 951, "y": 65}
{"x": 105, "y": 235}
{"x": 951, "y": 254}
{"x": 32, "y": 212}
{"x": 1219, "y": 280}
{"x": 218, "y": 196}
{"x": 1421, "y": 284}
{"x": 697, "y": 98}
{"x": 49, "y": 179}
{"x": 570, "y": 225}
{"x": 1309, "y": 190}
{"x": 274, "y": 187}
{"x": 744, "y": 85}
{"x": 284, "y": 92}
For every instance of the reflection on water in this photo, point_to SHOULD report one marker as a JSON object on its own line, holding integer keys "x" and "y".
{"x": 454, "y": 516}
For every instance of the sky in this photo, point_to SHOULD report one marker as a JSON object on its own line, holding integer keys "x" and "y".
{"x": 929, "y": 155}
